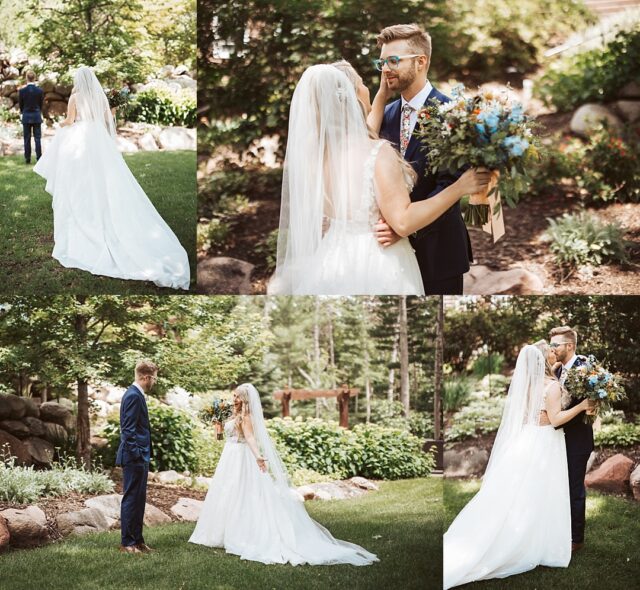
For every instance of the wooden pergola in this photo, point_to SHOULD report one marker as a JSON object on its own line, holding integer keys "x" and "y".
{"x": 342, "y": 394}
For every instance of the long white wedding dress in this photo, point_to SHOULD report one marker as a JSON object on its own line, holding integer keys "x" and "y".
{"x": 326, "y": 240}
{"x": 257, "y": 516}
{"x": 104, "y": 223}
{"x": 520, "y": 518}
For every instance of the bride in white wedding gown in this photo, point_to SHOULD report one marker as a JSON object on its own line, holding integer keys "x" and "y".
{"x": 338, "y": 180}
{"x": 104, "y": 223}
{"x": 521, "y": 517}
{"x": 250, "y": 509}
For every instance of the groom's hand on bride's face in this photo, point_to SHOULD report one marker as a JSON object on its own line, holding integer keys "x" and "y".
{"x": 384, "y": 234}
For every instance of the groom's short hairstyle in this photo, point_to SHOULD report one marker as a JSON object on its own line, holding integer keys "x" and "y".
{"x": 569, "y": 334}
{"x": 145, "y": 368}
{"x": 31, "y": 76}
{"x": 419, "y": 40}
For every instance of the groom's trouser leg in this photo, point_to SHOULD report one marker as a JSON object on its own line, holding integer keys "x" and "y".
{"x": 134, "y": 491}
{"x": 450, "y": 286}
{"x": 37, "y": 136}
{"x": 26, "y": 133}
{"x": 578, "y": 495}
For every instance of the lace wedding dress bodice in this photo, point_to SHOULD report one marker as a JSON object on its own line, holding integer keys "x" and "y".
{"x": 232, "y": 433}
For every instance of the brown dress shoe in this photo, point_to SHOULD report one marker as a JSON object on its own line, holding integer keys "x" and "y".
{"x": 129, "y": 549}
{"x": 144, "y": 548}
{"x": 576, "y": 546}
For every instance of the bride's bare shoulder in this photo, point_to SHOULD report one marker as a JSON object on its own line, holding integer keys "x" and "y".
{"x": 552, "y": 387}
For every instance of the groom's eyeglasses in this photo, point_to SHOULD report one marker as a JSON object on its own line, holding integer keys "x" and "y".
{"x": 555, "y": 345}
{"x": 393, "y": 61}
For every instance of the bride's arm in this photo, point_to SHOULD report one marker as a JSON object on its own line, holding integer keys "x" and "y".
{"x": 375, "y": 116}
{"x": 395, "y": 205}
{"x": 557, "y": 416}
{"x": 247, "y": 431}
{"x": 71, "y": 112}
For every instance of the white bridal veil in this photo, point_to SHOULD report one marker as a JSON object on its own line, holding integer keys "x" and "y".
{"x": 91, "y": 101}
{"x": 323, "y": 177}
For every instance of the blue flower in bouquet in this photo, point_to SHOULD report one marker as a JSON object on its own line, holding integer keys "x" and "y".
{"x": 593, "y": 380}
{"x": 491, "y": 120}
{"x": 516, "y": 114}
{"x": 602, "y": 393}
{"x": 457, "y": 90}
{"x": 515, "y": 145}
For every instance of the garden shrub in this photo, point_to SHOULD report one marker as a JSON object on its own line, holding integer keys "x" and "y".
{"x": 581, "y": 238}
{"x": 172, "y": 436}
{"x": 456, "y": 391}
{"x": 391, "y": 414}
{"x": 160, "y": 106}
{"x": 593, "y": 76}
{"x": 207, "y": 450}
{"x": 621, "y": 434}
{"x": 487, "y": 364}
{"x": 25, "y": 485}
{"x": 481, "y": 416}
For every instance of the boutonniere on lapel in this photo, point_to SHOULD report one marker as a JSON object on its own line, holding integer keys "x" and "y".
{"x": 485, "y": 131}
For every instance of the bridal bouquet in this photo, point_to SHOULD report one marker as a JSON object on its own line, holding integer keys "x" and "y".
{"x": 118, "y": 98}
{"x": 217, "y": 413}
{"x": 592, "y": 381}
{"x": 485, "y": 131}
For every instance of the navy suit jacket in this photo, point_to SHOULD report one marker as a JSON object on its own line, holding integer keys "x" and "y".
{"x": 135, "y": 434}
{"x": 31, "y": 99}
{"x": 443, "y": 248}
{"x": 578, "y": 436}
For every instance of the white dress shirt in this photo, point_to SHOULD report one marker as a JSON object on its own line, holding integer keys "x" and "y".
{"x": 139, "y": 388}
{"x": 572, "y": 360}
{"x": 416, "y": 103}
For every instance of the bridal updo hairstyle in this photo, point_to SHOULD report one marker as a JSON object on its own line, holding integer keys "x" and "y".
{"x": 545, "y": 349}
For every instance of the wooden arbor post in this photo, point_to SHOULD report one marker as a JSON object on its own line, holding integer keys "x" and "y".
{"x": 343, "y": 394}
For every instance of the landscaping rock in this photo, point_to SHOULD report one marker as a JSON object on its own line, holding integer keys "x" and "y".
{"x": 177, "y": 138}
{"x": 81, "y": 522}
{"x": 108, "y": 505}
{"x": 306, "y": 492}
{"x": 4, "y": 534}
{"x": 55, "y": 108}
{"x": 471, "y": 462}
{"x": 54, "y": 412}
{"x": 15, "y": 427}
{"x": 17, "y": 405}
{"x": 148, "y": 143}
{"x": 589, "y": 116}
{"x": 27, "y": 526}
{"x": 224, "y": 275}
{"x": 480, "y": 280}
{"x": 630, "y": 109}
{"x": 55, "y": 433}
{"x": 634, "y": 481}
{"x": 115, "y": 395}
{"x": 332, "y": 490}
{"x": 32, "y": 407}
{"x": 630, "y": 90}
{"x": 612, "y": 476}
{"x": 41, "y": 451}
{"x": 154, "y": 516}
{"x": 187, "y": 509}
{"x": 364, "y": 483}
{"x": 5, "y": 407}
{"x": 14, "y": 447}
{"x": 170, "y": 477}
{"x": 203, "y": 481}
{"x": 126, "y": 145}
{"x": 67, "y": 403}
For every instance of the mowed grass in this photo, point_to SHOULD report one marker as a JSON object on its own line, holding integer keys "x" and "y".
{"x": 610, "y": 559}
{"x": 26, "y": 225}
{"x": 401, "y": 524}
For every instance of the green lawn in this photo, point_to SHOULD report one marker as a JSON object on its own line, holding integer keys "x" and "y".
{"x": 609, "y": 560}
{"x": 26, "y": 224}
{"x": 401, "y": 524}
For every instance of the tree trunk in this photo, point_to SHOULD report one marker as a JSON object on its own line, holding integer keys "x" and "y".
{"x": 316, "y": 353}
{"x": 404, "y": 356}
{"x": 45, "y": 393}
{"x": 392, "y": 370}
{"x": 83, "y": 432}
{"x": 437, "y": 380}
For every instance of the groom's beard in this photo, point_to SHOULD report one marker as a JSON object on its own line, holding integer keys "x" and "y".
{"x": 400, "y": 81}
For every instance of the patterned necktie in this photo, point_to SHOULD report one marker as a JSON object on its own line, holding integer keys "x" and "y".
{"x": 405, "y": 128}
{"x": 563, "y": 375}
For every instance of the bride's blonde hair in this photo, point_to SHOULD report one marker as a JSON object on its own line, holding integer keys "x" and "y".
{"x": 545, "y": 349}
{"x": 242, "y": 392}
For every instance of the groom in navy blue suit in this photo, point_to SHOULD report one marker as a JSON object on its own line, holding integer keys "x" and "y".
{"x": 134, "y": 454}
{"x": 443, "y": 249}
{"x": 30, "y": 100}
{"x": 578, "y": 435}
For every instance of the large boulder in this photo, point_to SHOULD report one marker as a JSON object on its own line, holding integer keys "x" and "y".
{"x": 177, "y": 138}
{"x": 224, "y": 275}
{"x": 41, "y": 450}
{"x": 109, "y": 505}
{"x": 170, "y": 477}
{"x": 55, "y": 433}
{"x": 54, "y": 412}
{"x": 612, "y": 476}
{"x": 9, "y": 87}
{"x": 32, "y": 408}
{"x": 27, "y": 526}
{"x": 470, "y": 462}
{"x": 55, "y": 108}
{"x": 115, "y": 395}
{"x": 634, "y": 480}
{"x": 187, "y": 509}
{"x": 14, "y": 447}
{"x": 126, "y": 145}
{"x": 17, "y": 406}
{"x": 36, "y": 426}
{"x": 16, "y": 427}
{"x": 81, "y": 522}
{"x": 364, "y": 483}
{"x": 148, "y": 143}
{"x": 589, "y": 116}
{"x": 5, "y": 406}
{"x": 630, "y": 90}
{"x": 331, "y": 490}
{"x": 154, "y": 516}
{"x": 629, "y": 109}
{"x": 480, "y": 280}
{"x": 5, "y": 536}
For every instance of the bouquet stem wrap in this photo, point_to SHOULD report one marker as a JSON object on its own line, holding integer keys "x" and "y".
{"x": 485, "y": 209}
